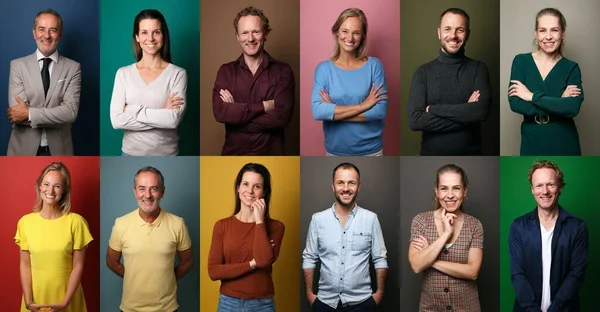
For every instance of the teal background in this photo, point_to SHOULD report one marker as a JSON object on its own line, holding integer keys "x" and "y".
{"x": 181, "y": 197}
{"x": 580, "y": 175}
{"x": 116, "y": 50}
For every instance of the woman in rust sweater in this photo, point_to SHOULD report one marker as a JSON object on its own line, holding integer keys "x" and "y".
{"x": 245, "y": 245}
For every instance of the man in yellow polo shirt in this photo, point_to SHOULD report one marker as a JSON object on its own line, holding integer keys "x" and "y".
{"x": 148, "y": 239}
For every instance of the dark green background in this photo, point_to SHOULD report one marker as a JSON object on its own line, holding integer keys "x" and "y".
{"x": 582, "y": 184}
{"x": 116, "y": 50}
{"x": 419, "y": 44}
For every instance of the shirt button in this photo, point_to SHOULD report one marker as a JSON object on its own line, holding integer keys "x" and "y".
{"x": 342, "y": 263}
{"x": 448, "y": 308}
{"x": 343, "y": 247}
{"x": 446, "y": 289}
{"x": 341, "y": 278}
{"x": 344, "y": 232}
{"x": 446, "y": 251}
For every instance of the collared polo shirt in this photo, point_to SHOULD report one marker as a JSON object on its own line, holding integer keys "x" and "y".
{"x": 148, "y": 250}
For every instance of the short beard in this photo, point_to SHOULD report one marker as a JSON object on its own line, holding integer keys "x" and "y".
{"x": 350, "y": 205}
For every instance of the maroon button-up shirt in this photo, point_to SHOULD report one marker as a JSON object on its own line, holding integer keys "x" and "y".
{"x": 249, "y": 130}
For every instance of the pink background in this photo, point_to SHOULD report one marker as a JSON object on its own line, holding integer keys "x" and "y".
{"x": 316, "y": 44}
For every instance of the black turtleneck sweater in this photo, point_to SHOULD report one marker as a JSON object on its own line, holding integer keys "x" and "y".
{"x": 452, "y": 126}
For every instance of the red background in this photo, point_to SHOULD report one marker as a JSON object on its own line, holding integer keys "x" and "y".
{"x": 17, "y": 186}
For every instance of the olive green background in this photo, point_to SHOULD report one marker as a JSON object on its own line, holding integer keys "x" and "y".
{"x": 580, "y": 175}
{"x": 419, "y": 44}
{"x": 116, "y": 50}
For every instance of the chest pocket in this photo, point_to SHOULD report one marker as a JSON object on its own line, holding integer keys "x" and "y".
{"x": 361, "y": 241}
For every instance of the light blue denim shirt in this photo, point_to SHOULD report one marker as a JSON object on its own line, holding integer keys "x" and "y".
{"x": 344, "y": 253}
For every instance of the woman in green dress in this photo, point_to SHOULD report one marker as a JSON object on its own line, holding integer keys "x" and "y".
{"x": 545, "y": 87}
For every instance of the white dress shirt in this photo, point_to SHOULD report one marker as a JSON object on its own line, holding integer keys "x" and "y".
{"x": 40, "y": 57}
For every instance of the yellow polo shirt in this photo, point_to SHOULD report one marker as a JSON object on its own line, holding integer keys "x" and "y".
{"x": 148, "y": 250}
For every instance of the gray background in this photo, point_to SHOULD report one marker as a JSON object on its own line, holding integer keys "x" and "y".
{"x": 378, "y": 193}
{"x": 182, "y": 198}
{"x": 581, "y": 45}
{"x": 483, "y": 202}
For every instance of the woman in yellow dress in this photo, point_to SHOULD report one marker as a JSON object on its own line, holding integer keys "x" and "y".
{"x": 52, "y": 244}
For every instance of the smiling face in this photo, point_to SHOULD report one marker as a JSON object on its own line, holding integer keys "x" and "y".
{"x": 545, "y": 188}
{"x": 52, "y": 188}
{"x": 47, "y": 33}
{"x": 450, "y": 191}
{"x": 345, "y": 187}
{"x": 148, "y": 191}
{"x": 250, "y": 188}
{"x": 453, "y": 33}
{"x": 250, "y": 35}
{"x": 350, "y": 34}
{"x": 150, "y": 36}
{"x": 549, "y": 34}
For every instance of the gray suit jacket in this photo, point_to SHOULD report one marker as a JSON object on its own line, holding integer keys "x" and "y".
{"x": 55, "y": 113}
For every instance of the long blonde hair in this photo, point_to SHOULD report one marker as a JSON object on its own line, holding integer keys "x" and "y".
{"x": 65, "y": 199}
{"x": 361, "y": 50}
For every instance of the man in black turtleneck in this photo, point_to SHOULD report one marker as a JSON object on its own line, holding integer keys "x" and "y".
{"x": 450, "y": 96}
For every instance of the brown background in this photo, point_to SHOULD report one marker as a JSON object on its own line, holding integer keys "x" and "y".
{"x": 218, "y": 45}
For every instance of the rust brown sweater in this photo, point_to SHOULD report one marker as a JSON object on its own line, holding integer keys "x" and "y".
{"x": 234, "y": 245}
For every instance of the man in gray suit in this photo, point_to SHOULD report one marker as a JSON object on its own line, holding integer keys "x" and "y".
{"x": 43, "y": 94}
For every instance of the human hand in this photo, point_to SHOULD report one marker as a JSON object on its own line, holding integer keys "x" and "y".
{"x": 571, "y": 91}
{"x": 226, "y": 96}
{"x": 253, "y": 264}
{"x": 35, "y": 307}
{"x": 520, "y": 90}
{"x": 325, "y": 97}
{"x": 311, "y": 298}
{"x": 269, "y": 105}
{"x": 378, "y": 296}
{"x": 419, "y": 243}
{"x": 375, "y": 95}
{"x": 174, "y": 101}
{"x": 448, "y": 221}
{"x": 19, "y": 112}
{"x": 56, "y": 307}
{"x": 258, "y": 209}
{"x": 474, "y": 97}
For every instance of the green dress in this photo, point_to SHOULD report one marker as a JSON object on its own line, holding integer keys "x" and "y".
{"x": 557, "y": 137}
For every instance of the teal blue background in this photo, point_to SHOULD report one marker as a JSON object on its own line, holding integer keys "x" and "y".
{"x": 116, "y": 50}
{"x": 182, "y": 198}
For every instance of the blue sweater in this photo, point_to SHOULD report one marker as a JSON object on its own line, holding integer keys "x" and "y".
{"x": 350, "y": 87}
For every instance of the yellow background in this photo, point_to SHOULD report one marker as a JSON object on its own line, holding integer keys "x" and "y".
{"x": 217, "y": 201}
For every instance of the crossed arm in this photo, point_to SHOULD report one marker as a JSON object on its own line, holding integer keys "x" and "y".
{"x": 374, "y": 107}
{"x": 139, "y": 117}
{"x": 23, "y": 112}
{"x": 265, "y": 253}
{"x": 529, "y": 103}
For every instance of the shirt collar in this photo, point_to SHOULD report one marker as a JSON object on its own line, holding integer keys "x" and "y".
{"x": 352, "y": 212}
{"x": 266, "y": 58}
{"x": 156, "y": 222}
{"x": 53, "y": 56}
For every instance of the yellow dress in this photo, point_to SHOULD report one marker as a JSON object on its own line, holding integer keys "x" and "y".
{"x": 50, "y": 244}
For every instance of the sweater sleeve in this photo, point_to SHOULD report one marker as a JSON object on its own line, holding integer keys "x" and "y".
{"x": 518, "y": 105}
{"x": 217, "y": 269}
{"x": 418, "y": 118}
{"x": 164, "y": 118}
{"x": 379, "y": 110}
{"x": 321, "y": 110}
{"x": 263, "y": 252}
{"x": 562, "y": 106}
{"x": 474, "y": 112}
{"x": 118, "y": 118}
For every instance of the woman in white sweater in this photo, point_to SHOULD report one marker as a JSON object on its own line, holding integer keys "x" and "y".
{"x": 149, "y": 97}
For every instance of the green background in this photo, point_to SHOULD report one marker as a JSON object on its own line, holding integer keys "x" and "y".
{"x": 580, "y": 175}
{"x": 419, "y": 44}
{"x": 116, "y": 50}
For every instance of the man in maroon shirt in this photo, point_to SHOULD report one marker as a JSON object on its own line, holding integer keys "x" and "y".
{"x": 253, "y": 95}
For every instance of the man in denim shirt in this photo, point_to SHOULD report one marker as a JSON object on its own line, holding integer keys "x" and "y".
{"x": 343, "y": 238}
